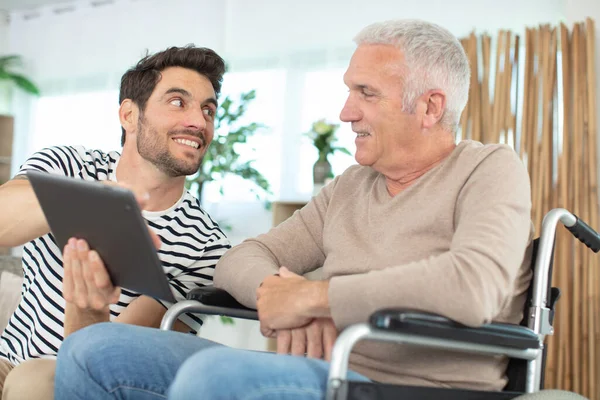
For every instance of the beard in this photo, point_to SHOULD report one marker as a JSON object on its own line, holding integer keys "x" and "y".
{"x": 152, "y": 148}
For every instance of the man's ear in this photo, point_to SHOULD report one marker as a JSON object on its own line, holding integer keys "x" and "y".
{"x": 435, "y": 101}
{"x": 128, "y": 115}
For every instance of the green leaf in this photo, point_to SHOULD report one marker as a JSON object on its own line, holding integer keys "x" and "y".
{"x": 11, "y": 61}
{"x": 227, "y": 320}
{"x": 24, "y": 84}
{"x": 342, "y": 149}
{"x": 222, "y": 156}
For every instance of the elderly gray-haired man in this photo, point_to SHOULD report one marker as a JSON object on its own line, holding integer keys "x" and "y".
{"x": 421, "y": 222}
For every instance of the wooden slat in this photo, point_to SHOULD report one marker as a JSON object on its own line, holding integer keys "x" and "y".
{"x": 506, "y": 115}
{"x": 498, "y": 85}
{"x": 486, "y": 106}
{"x": 540, "y": 162}
{"x": 527, "y": 92}
{"x": 546, "y": 159}
{"x": 475, "y": 89}
{"x": 575, "y": 192}
{"x": 464, "y": 118}
{"x": 515, "y": 88}
{"x": 592, "y": 286}
{"x": 564, "y": 239}
{"x": 535, "y": 148}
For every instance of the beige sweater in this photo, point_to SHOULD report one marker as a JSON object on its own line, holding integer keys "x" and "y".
{"x": 454, "y": 243}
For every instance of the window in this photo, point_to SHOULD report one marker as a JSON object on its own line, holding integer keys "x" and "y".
{"x": 91, "y": 120}
{"x": 87, "y": 119}
{"x": 324, "y": 96}
{"x": 264, "y": 147}
{"x": 287, "y": 104}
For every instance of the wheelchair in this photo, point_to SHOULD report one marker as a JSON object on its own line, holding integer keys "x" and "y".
{"x": 523, "y": 344}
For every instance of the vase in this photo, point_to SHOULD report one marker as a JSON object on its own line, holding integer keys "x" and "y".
{"x": 321, "y": 173}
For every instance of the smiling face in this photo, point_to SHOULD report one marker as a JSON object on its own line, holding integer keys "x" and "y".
{"x": 385, "y": 134}
{"x": 177, "y": 125}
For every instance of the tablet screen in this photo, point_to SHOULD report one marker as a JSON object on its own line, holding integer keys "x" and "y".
{"x": 110, "y": 220}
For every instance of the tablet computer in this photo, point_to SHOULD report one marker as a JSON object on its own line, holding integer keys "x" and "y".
{"x": 110, "y": 220}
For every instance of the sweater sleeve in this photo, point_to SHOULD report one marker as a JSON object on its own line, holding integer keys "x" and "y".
{"x": 474, "y": 279}
{"x": 296, "y": 243}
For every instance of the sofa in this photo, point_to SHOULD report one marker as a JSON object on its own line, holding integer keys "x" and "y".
{"x": 11, "y": 280}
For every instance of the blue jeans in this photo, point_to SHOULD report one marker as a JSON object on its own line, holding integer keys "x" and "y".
{"x": 117, "y": 361}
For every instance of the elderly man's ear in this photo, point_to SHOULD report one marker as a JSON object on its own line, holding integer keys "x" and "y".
{"x": 434, "y": 105}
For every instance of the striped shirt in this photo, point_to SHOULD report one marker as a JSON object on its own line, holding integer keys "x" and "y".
{"x": 192, "y": 243}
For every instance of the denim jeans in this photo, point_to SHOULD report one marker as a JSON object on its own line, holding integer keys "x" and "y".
{"x": 117, "y": 361}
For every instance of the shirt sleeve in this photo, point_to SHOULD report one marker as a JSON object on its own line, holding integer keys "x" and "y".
{"x": 59, "y": 160}
{"x": 474, "y": 279}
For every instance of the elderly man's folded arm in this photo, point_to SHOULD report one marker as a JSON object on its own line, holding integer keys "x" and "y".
{"x": 294, "y": 244}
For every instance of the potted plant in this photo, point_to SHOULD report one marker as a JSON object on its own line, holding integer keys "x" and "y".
{"x": 322, "y": 134}
{"x": 222, "y": 158}
{"x": 7, "y": 63}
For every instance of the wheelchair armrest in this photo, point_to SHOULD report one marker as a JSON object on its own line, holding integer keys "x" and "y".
{"x": 436, "y": 326}
{"x": 210, "y": 301}
{"x": 211, "y": 296}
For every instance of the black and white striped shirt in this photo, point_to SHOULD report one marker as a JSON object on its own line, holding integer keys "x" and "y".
{"x": 192, "y": 243}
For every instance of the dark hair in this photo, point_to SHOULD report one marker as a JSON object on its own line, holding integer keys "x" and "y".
{"x": 139, "y": 82}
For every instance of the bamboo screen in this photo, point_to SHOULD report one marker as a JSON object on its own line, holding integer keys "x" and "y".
{"x": 538, "y": 95}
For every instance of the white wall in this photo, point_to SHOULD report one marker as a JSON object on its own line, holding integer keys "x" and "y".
{"x": 3, "y": 32}
{"x": 240, "y": 220}
{"x": 267, "y": 27}
{"x": 94, "y": 41}
{"x": 86, "y": 45}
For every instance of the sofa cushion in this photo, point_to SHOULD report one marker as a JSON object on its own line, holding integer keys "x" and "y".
{"x": 11, "y": 264}
{"x": 10, "y": 295}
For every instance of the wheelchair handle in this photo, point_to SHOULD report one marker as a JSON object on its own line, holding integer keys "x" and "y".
{"x": 586, "y": 234}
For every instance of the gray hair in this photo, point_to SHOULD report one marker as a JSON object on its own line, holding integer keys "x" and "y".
{"x": 434, "y": 59}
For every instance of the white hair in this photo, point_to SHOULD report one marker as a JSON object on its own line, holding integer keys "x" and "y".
{"x": 434, "y": 59}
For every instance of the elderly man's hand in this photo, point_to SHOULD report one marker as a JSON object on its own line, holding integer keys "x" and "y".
{"x": 315, "y": 339}
{"x": 287, "y": 301}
